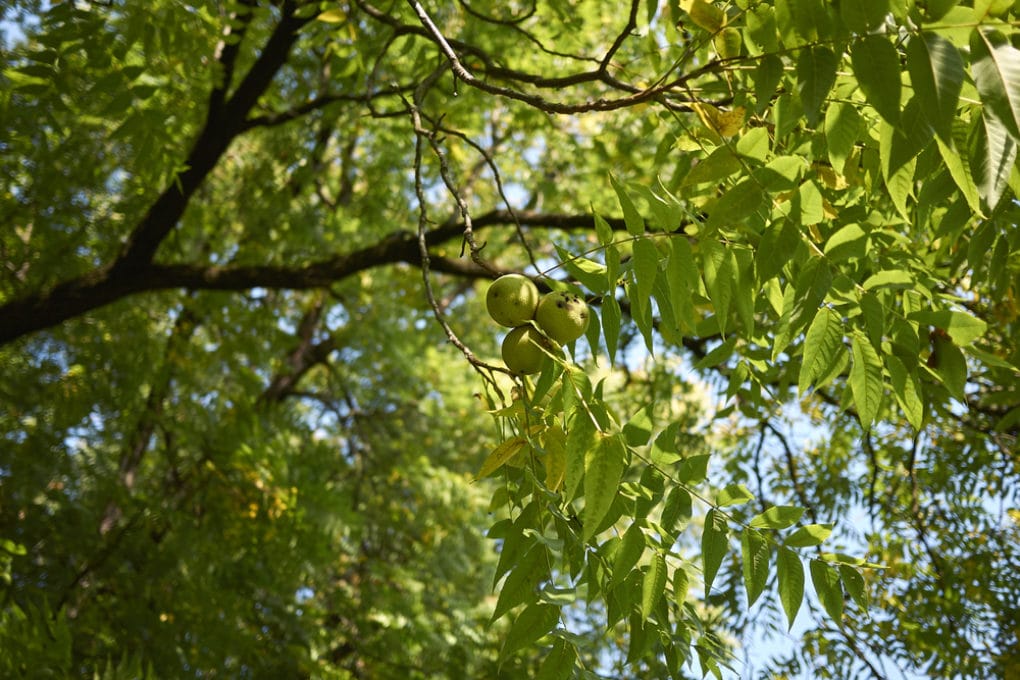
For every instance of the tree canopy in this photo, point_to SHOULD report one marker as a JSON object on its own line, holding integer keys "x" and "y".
{"x": 253, "y": 416}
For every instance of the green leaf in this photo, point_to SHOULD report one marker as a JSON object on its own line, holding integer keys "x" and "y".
{"x": 631, "y": 217}
{"x": 847, "y": 242}
{"x": 535, "y": 621}
{"x": 962, "y": 327}
{"x": 842, "y": 127}
{"x": 876, "y": 64}
{"x": 580, "y": 440}
{"x": 18, "y": 79}
{"x": 989, "y": 359}
{"x": 646, "y": 266}
{"x": 810, "y": 289}
{"x": 593, "y": 275}
{"x": 777, "y": 517}
{"x": 733, "y": 494}
{"x": 736, "y": 204}
{"x": 808, "y": 204}
{"x": 694, "y": 469}
{"x": 520, "y": 586}
{"x": 603, "y": 469}
{"x": 937, "y": 74}
{"x": 822, "y": 344}
{"x": 638, "y": 429}
{"x": 713, "y": 545}
{"x": 995, "y": 64}
{"x": 816, "y": 72}
{"x": 890, "y": 278}
{"x": 641, "y": 315}
{"x": 719, "y": 164}
{"x": 808, "y": 536}
{"x": 653, "y": 584}
{"x": 853, "y": 583}
{"x": 826, "y": 581}
{"x": 952, "y": 369}
{"x": 778, "y": 244}
{"x": 936, "y": 9}
{"x": 12, "y": 548}
{"x": 791, "y": 583}
{"x": 676, "y": 510}
{"x": 873, "y": 313}
{"x": 766, "y": 77}
{"x": 860, "y": 16}
{"x": 782, "y": 173}
{"x": 612, "y": 319}
{"x": 720, "y": 279}
{"x": 640, "y": 637}
{"x": 558, "y": 664}
{"x": 992, "y": 154}
{"x": 603, "y": 230}
{"x": 754, "y": 144}
{"x": 813, "y": 19}
{"x": 632, "y": 546}
{"x": 866, "y": 379}
{"x": 682, "y": 280}
{"x": 900, "y": 185}
{"x": 760, "y": 34}
{"x": 755, "y": 552}
{"x": 681, "y": 584}
{"x": 899, "y": 146}
{"x": 906, "y": 388}
{"x": 500, "y": 455}
{"x": 959, "y": 168}
{"x": 744, "y": 293}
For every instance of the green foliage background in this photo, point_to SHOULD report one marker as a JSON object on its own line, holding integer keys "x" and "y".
{"x": 247, "y": 380}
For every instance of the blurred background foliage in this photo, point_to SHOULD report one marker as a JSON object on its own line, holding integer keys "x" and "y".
{"x": 275, "y": 478}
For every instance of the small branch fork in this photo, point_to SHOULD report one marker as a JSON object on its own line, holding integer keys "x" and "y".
{"x": 601, "y": 104}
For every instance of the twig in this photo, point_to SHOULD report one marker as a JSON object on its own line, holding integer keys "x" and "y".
{"x": 601, "y": 104}
{"x": 791, "y": 467}
{"x": 484, "y": 369}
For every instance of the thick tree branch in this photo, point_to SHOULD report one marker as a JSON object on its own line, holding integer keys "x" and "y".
{"x": 222, "y": 124}
{"x": 227, "y": 51}
{"x": 303, "y": 357}
{"x": 78, "y": 296}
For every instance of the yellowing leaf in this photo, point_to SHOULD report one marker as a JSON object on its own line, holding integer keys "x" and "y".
{"x": 500, "y": 455}
{"x": 333, "y": 16}
{"x": 723, "y": 123}
{"x": 555, "y": 458}
{"x": 704, "y": 14}
{"x": 728, "y": 43}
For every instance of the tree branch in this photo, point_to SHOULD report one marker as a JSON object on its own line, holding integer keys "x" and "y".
{"x": 541, "y": 103}
{"x": 98, "y": 289}
{"x": 222, "y": 124}
{"x": 303, "y": 357}
{"x": 226, "y": 53}
{"x": 271, "y": 119}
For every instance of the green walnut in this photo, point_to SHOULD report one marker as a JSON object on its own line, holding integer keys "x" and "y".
{"x": 562, "y": 316}
{"x": 512, "y": 300}
{"x": 524, "y": 348}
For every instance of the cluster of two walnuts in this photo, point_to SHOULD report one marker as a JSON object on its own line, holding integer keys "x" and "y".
{"x": 540, "y": 324}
